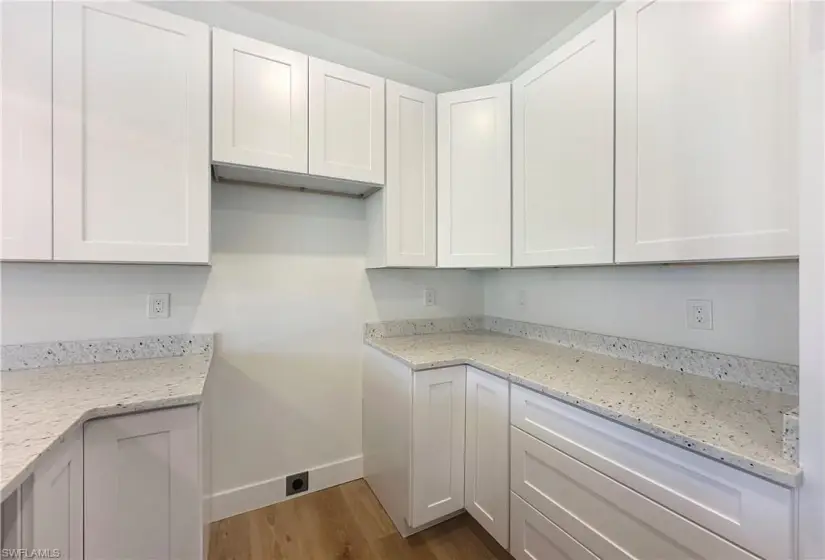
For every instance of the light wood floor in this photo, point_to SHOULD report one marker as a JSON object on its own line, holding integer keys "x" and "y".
{"x": 343, "y": 523}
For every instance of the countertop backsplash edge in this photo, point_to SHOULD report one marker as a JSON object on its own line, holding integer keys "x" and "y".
{"x": 61, "y": 353}
{"x": 749, "y": 372}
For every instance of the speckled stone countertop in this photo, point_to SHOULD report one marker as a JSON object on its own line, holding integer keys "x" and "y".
{"x": 41, "y": 407}
{"x": 738, "y": 425}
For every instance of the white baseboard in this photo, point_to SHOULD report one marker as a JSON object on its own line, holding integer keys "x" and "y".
{"x": 267, "y": 492}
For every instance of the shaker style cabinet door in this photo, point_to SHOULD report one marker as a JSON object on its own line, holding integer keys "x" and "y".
{"x": 704, "y": 133}
{"x": 131, "y": 134}
{"x": 487, "y": 453}
{"x": 26, "y": 130}
{"x": 409, "y": 195}
{"x": 58, "y": 499}
{"x": 437, "y": 444}
{"x": 474, "y": 177}
{"x": 346, "y": 123}
{"x": 142, "y": 486}
{"x": 259, "y": 104}
{"x": 563, "y": 154}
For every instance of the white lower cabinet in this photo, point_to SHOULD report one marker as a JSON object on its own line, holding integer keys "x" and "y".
{"x": 437, "y": 443}
{"x": 486, "y": 462}
{"x": 549, "y": 480}
{"x": 58, "y": 499}
{"x": 413, "y": 440}
{"x": 533, "y": 536}
{"x": 142, "y": 486}
{"x": 608, "y": 518}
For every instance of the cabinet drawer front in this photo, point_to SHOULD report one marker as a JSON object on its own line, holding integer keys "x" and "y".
{"x": 610, "y": 519}
{"x": 534, "y": 537}
{"x": 752, "y": 512}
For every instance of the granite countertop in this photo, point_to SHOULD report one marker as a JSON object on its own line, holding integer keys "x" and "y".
{"x": 41, "y": 407}
{"x": 734, "y": 424}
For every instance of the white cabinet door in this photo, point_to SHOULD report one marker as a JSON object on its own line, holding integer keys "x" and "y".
{"x": 259, "y": 104}
{"x": 438, "y": 444}
{"x": 346, "y": 123}
{"x": 142, "y": 488}
{"x": 409, "y": 195}
{"x": 474, "y": 177}
{"x": 58, "y": 499}
{"x": 26, "y": 130}
{"x": 486, "y": 453}
{"x": 563, "y": 154}
{"x": 704, "y": 142}
{"x": 131, "y": 134}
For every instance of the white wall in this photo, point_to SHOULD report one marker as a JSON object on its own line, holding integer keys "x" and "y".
{"x": 288, "y": 296}
{"x": 755, "y": 305}
{"x": 235, "y": 18}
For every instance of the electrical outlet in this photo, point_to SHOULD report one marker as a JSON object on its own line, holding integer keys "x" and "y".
{"x": 429, "y": 297}
{"x": 522, "y": 298}
{"x": 297, "y": 483}
{"x": 700, "y": 314}
{"x": 157, "y": 306}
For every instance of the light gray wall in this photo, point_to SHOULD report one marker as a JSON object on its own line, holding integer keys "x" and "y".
{"x": 755, "y": 305}
{"x": 288, "y": 296}
{"x": 236, "y": 19}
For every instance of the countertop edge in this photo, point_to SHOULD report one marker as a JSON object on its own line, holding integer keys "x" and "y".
{"x": 92, "y": 414}
{"x": 746, "y": 464}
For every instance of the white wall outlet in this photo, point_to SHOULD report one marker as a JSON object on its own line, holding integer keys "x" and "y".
{"x": 700, "y": 314}
{"x": 429, "y": 297}
{"x": 522, "y": 298}
{"x": 157, "y": 306}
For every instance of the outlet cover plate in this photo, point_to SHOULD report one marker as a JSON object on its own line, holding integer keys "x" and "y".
{"x": 429, "y": 297}
{"x": 157, "y": 306}
{"x": 700, "y": 314}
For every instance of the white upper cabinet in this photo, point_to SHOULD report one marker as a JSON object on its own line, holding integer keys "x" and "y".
{"x": 704, "y": 141}
{"x": 259, "y": 104}
{"x": 474, "y": 177}
{"x": 131, "y": 134}
{"x": 563, "y": 154}
{"x": 26, "y": 130}
{"x": 401, "y": 216}
{"x": 346, "y": 123}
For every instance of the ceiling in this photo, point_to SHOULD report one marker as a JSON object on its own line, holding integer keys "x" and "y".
{"x": 471, "y": 42}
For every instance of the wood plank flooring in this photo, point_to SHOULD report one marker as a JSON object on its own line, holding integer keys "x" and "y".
{"x": 343, "y": 523}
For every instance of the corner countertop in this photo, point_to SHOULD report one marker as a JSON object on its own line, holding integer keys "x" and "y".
{"x": 737, "y": 425}
{"x": 41, "y": 407}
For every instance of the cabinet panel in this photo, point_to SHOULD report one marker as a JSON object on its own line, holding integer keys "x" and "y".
{"x": 747, "y": 510}
{"x": 487, "y": 469}
{"x": 131, "y": 169}
{"x": 260, "y": 104}
{"x": 26, "y": 130}
{"x": 346, "y": 119}
{"x": 438, "y": 444}
{"x": 142, "y": 488}
{"x": 410, "y": 190}
{"x": 608, "y": 518}
{"x": 534, "y": 537}
{"x": 704, "y": 142}
{"x": 563, "y": 154}
{"x": 58, "y": 499}
{"x": 474, "y": 177}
